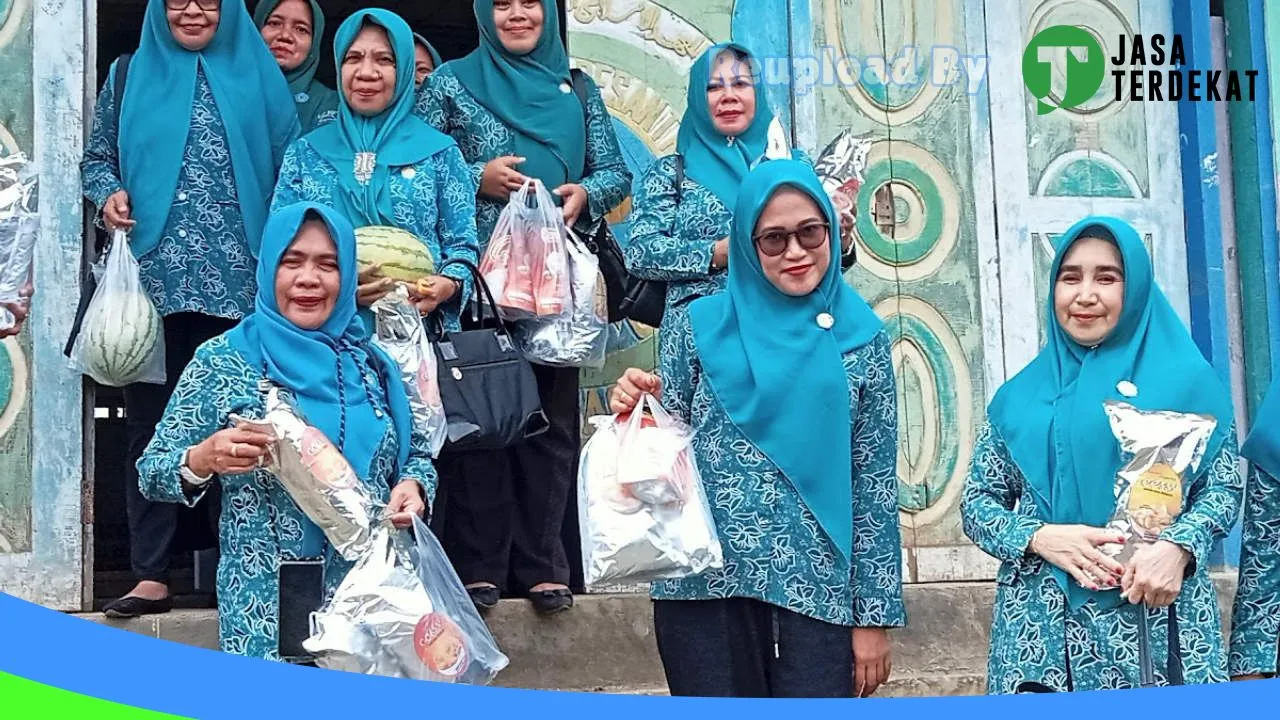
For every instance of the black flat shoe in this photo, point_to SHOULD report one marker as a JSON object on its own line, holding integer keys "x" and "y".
{"x": 131, "y": 607}
{"x": 550, "y": 602}
{"x": 484, "y": 598}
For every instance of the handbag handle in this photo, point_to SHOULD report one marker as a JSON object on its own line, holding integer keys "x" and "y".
{"x": 483, "y": 287}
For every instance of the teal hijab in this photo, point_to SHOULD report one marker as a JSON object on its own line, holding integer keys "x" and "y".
{"x": 155, "y": 118}
{"x": 395, "y": 137}
{"x": 1051, "y": 417}
{"x": 323, "y": 367}
{"x": 532, "y": 95}
{"x": 713, "y": 160}
{"x": 310, "y": 97}
{"x": 778, "y": 374}
{"x": 1262, "y": 448}
{"x": 436, "y": 62}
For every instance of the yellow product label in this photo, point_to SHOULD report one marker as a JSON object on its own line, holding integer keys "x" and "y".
{"x": 1155, "y": 498}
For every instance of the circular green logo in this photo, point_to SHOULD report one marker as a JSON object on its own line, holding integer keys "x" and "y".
{"x": 1077, "y": 52}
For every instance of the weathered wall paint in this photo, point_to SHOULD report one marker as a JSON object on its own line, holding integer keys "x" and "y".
{"x": 50, "y": 573}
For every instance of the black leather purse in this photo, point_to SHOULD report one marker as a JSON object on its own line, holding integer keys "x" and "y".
{"x": 488, "y": 389}
{"x": 629, "y": 297}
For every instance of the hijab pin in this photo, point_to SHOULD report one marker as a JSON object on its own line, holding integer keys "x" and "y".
{"x": 826, "y": 321}
{"x": 365, "y": 162}
{"x": 408, "y": 173}
{"x": 301, "y": 97}
{"x": 565, "y": 88}
{"x": 729, "y": 140}
{"x": 1127, "y": 389}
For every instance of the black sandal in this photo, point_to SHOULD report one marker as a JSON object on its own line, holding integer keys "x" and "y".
{"x": 484, "y": 597}
{"x": 133, "y": 606}
{"x": 550, "y": 602}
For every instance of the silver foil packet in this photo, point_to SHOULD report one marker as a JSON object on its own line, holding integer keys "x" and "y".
{"x": 840, "y": 167}
{"x": 402, "y": 612}
{"x": 1165, "y": 451}
{"x": 642, "y": 508}
{"x": 19, "y": 226}
{"x": 580, "y": 337}
{"x": 399, "y": 333}
{"x": 316, "y": 475}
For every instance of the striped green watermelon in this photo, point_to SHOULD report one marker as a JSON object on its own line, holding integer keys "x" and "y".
{"x": 402, "y": 255}
{"x": 120, "y": 334}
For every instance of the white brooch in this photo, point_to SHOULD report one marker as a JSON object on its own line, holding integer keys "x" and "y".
{"x": 1127, "y": 389}
{"x": 365, "y": 162}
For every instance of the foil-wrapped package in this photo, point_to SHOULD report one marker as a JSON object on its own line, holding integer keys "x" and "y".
{"x": 642, "y": 508}
{"x": 317, "y": 476}
{"x": 580, "y": 337}
{"x": 402, "y": 612}
{"x": 1165, "y": 450}
{"x": 399, "y": 333}
{"x": 19, "y": 224}
{"x": 840, "y": 167}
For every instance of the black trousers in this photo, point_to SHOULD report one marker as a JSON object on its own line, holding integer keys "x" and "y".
{"x": 152, "y": 525}
{"x": 726, "y": 648}
{"x": 501, "y": 514}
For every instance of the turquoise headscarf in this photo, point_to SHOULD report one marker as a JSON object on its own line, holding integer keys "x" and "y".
{"x": 713, "y": 160}
{"x": 321, "y": 367}
{"x": 777, "y": 372}
{"x": 436, "y": 62}
{"x": 1263, "y": 446}
{"x": 310, "y": 97}
{"x": 532, "y": 95}
{"x": 1051, "y": 417}
{"x": 396, "y": 137}
{"x": 155, "y": 118}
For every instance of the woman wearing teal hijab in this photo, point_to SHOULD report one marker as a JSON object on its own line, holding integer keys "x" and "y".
{"x": 425, "y": 59}
{"x": 185, "y": 160}
{"x": 512, "y": 108}
{"x": 1041, "y": 489}
{"x": 791, "y": 369}
{"x": 292, "y": 30}
{"x": 1255, "y": 622}
{"x": 380, "y": 165}
{"x": 305, "y": 337}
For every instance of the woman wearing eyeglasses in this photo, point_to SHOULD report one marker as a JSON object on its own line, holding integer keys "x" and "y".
{"x": 790, "y": 392}
{"x": 185, "y": 161}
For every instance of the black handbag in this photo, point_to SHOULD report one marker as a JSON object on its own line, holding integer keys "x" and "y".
{"x": 487, "y": 387}
{"x": 629, "y": 297}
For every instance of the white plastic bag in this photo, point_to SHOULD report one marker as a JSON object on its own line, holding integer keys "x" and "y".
{"x": 399, "y": 332}
{"x": 402, "y": 612}
{"x": 19, "y": 224}
{"x": 580, "y": 337}
{"x": 121, "y": 340}
{"x": 642, "y": 508}
{"x": 526, "y": 264}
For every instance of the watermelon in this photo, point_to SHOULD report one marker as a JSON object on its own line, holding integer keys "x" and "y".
{"x": 401, "y": 254}
{"x": 121, "y": 331}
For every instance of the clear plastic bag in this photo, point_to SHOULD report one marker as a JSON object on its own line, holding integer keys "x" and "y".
{"x": 399, "y": 332}
{"x": 19, "y": 224}
{"x": 526, "y": 264}
{"x": 402, "y": 612}
{"x": 121, "y": 340}
{"x": 642, "y": 508}
{"x": 580, "y": 337}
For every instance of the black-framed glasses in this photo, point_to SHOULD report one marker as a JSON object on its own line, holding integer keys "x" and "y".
{"x": 202, "y": 4}
{"x": 810, "y": 237}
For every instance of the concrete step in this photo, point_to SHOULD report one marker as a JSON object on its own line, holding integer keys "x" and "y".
{"x": 606, "y": 643}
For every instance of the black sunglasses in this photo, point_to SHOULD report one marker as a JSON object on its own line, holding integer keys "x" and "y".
{"x": 810, "y": 237}
{"x": 202, "y": 4}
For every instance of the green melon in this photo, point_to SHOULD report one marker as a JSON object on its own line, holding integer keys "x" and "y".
{"x": 402, "y": 255}
{"x": 120, "y": 333}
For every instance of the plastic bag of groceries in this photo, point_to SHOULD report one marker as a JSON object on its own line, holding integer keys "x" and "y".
{"x": 19, "y": 224}
{"x": 316, "y": 475}
{"x": 402, "y": 612}
{"x": 526, "y": 264}
{"x": 642, "y": 508}
{"x": 580, "y": 337}
{"x": 121, "y": 339}
{"x": 1165, "y": 450}
{"x": 398, "y": 332}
